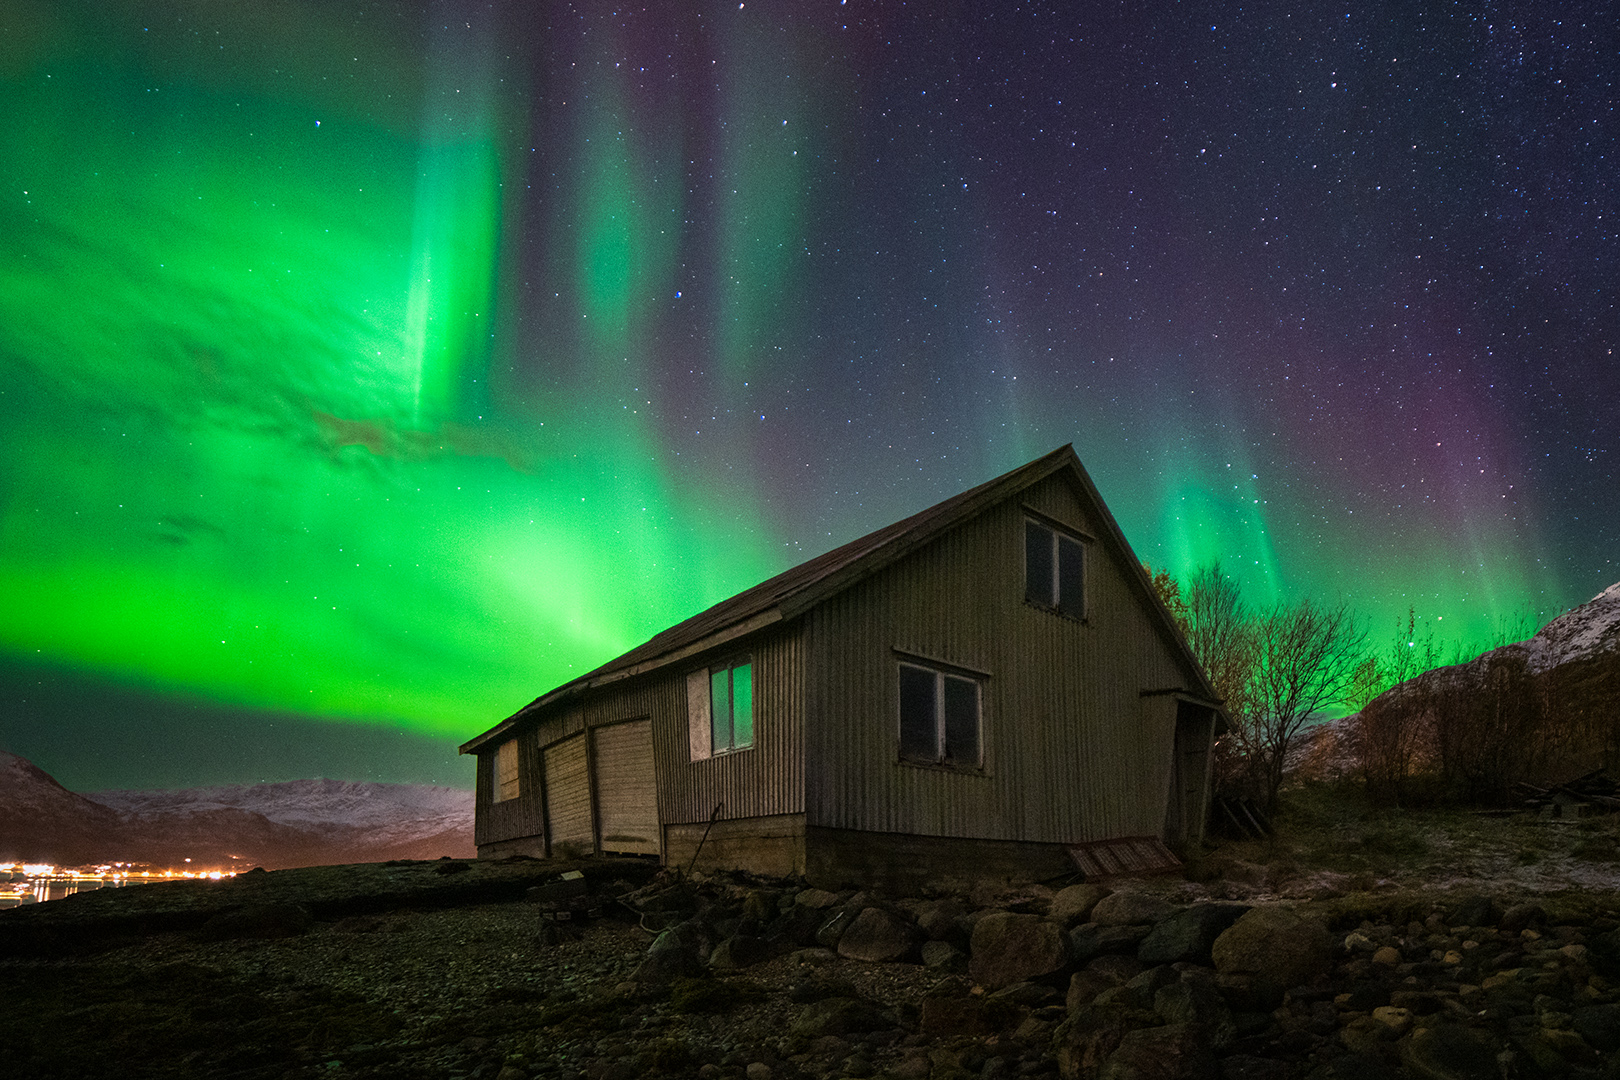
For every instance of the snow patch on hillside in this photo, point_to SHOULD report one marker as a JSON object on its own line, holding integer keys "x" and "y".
{"x": 313, "y": 805}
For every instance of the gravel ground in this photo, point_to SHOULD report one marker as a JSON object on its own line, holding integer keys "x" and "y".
{"x": 441, "y": 970}
{"x": 475, "y": 991}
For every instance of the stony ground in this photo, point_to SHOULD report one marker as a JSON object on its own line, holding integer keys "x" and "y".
{"x": 1352, "y": 964}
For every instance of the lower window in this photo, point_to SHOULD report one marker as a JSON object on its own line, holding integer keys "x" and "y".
{"x": 939, "y": 717}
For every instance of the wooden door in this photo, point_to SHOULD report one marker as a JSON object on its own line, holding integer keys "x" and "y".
{"x": 626, "y": 788}
{"x": 568, "y": 797}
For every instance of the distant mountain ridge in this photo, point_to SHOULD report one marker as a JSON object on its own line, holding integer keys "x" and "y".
{"x": 293, "y": 823}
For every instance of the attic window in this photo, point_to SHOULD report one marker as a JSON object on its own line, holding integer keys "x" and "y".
{"x": 1054, "y": 570}
{"x": 939, "y": 717}
{"x": 506, "y": 785}
{"x": 720, "y": 708}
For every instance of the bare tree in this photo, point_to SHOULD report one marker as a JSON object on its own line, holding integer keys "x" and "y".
{"x": 1408, "y": 655}
{"x": 1219, "y": 631}
{"x": 1217, "y": 626}
{"x": 1169, "y": 591}
{"x": 1304, "y": 660}
{"x": 1392, "y": 740}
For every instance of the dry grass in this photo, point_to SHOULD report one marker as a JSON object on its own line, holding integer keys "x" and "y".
{"x": 1330, "y": 839}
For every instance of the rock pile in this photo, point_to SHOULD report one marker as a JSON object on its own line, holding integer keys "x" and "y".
{"x": 1086, "y": 983}
{"x": 415, "y": 972}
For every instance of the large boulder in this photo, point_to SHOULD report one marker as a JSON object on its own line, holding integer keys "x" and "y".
{"x": 1600, "y": 1026}
{"x": 1197, "y": 1002}
{"x": 1189, "y": 934}
{"x": 1075, "y": 903}
{"x": 1476, "y": 909}
{"x": 674, "y": 953}
{"x": 951, "y": 1010}
{"x": 740, "y": 951}
{"x": 1449, "y": 1052}
{"x": 878, "y": 936}
{"x": 1009, "y": 948}
{"x": 1171, "y": 1052}
{"x": 833, "y": 928}
{"x": 943, "y": 956}
{"x": 1085, "y": 1041}
{"x": 1274, "y": 943}
{"x": 1130, "y": 908}
{"x": 941, "y": 920}
{"x": 1088, "y": 940}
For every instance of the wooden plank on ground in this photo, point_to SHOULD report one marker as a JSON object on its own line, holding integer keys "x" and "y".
{"x": 1125, "y": 856}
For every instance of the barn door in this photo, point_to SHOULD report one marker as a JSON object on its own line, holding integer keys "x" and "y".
{"x": 568, "y": 796}
{"x": 626, "y": 788}
{"x": 1189, "y": 774}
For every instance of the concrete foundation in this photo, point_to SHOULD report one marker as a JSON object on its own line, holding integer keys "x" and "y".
{"x": 532, "y": 846}
{"x": 773, "y": 846}
{"x": 847, "y": 858}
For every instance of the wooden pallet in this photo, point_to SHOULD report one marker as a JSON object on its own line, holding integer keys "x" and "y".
{"x": 1126, "y": 856}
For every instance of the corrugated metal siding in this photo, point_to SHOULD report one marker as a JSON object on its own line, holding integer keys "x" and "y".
{"x": 511, "y": 818}
{"x": 1067, "y": 754}
{"x": 767, "y": 779}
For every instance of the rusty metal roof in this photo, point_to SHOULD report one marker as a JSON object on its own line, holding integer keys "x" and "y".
{"x": 795, "y": 591}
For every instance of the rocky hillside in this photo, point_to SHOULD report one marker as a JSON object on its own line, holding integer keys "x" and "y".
{"x": 296, "y": 823}
{"x": 39, "y": 817}
{"x": 1547, "y": 708}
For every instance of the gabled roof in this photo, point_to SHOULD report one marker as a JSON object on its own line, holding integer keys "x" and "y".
{"x": 795, "y": 591}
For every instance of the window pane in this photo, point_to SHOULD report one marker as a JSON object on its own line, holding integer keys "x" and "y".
{"x": 961, "y": 720}
{"x": 1037, "y": 564}
{"x": 919, "y": 724}
{"x": 720, "y": 708}
{"x": 1071, "y": 577}
{"x": 742, "y": 705}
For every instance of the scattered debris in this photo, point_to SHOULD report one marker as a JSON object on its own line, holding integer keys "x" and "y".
{"x": 1239, "y": 818}
{"x": 1585, "y": 795}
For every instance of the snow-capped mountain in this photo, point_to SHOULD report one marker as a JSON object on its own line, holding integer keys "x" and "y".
{"x": 1543, "y": 708}
{"x": 295, "y": 823}
{"x": 386, "y": 812}
{"x": 1585, "y": 633}
{"x": 1571, "y": 651}
{"x": 38, "y": 815}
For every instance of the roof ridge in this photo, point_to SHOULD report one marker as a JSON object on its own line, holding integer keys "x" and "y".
{"x": 800, "y": 587}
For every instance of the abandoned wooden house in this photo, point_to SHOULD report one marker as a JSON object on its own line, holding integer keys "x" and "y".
{"x": 972, "y": 691}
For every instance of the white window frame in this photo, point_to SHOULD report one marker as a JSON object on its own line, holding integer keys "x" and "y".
{"x": 1052, "y": 600}
{"x": 700, "y": 710}
{"x": 943, "y": 677}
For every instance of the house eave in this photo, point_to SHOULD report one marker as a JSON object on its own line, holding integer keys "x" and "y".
{"x": 725, "y": 636}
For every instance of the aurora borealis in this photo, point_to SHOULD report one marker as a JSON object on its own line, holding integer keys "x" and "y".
{"x": 367, "y": 370}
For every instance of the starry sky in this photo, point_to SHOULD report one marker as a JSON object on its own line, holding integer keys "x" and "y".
{"x": 367, "y": 369}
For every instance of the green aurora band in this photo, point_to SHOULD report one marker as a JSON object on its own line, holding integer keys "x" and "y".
{"x": 309, "y": 402}
{"x": 243, "y": 341}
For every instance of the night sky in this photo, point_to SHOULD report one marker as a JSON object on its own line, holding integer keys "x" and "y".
{"x": 367, "y": 371}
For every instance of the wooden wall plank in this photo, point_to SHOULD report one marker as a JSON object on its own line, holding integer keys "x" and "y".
{"x": 568, "y": 796}
{"x": 626, "y": 788}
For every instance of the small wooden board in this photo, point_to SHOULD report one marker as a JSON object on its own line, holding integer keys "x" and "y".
{"x": 1126, "y": 856}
